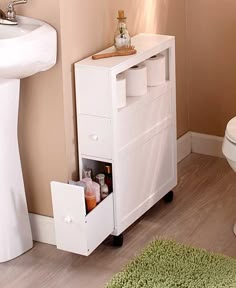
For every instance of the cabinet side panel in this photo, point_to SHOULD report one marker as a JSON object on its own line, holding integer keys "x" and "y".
{"x": 137, "y": 121}
{"x": 93, "y": 92}
{"x": 145, "y": 173}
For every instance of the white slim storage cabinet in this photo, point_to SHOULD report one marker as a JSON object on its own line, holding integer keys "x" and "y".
{"x": 139, "y": 140}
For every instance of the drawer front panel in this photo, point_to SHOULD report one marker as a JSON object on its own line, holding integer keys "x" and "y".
{"x": 134, "y": 122}
{"x": 93, "y": 92}
{"x": 95, "y": 136}
{"x": 75, "y": 231}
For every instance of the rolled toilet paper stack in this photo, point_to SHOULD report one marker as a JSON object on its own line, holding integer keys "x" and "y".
{"x": 121, "y": 90}
{"x": 156, "y": 70}
{"x": 136, "y": 80}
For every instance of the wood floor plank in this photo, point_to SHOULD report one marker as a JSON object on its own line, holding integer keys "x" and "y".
{"x": 202, "y": 214}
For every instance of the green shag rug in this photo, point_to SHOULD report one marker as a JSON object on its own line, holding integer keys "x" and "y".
{"x": 165, "y": 264}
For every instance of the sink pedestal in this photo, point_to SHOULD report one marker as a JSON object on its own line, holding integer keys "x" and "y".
{"x": 25, "y": 49}
{"x": 15, "y": 231}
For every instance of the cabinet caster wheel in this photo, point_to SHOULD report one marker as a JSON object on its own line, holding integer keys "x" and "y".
{"x": 118, "y": 240}
{"x": 168, "y": 198}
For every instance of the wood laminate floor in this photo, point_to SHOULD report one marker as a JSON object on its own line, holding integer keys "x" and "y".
{"x": 202, "y": 214}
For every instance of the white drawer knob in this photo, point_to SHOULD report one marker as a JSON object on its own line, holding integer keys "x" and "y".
{"x": 94, "y": 137}
{"x": 68, "y": 220}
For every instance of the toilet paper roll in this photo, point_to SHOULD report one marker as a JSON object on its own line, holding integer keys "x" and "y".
{"x": 136, "y": 80}
{"x": 121, "y": 90}
{"x": 156, "y": 70}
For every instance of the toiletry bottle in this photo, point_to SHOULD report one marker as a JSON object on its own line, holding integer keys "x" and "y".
{"x": 87, "y": 176}
{"x": 97, "y": 190}
{"x": 104, "y": 188}
{"x": 95, "y": 187}
{"x": 78, "y": 183}
{"x": 88, "y": 173}
{"x": 108, "y": 177}
{"x": 90, "y": 198}
{"x": 121, "y": 38}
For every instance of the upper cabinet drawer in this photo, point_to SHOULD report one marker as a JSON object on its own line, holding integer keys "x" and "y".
{"x": 95, "y": 136}
{"x": 93, "y": 92}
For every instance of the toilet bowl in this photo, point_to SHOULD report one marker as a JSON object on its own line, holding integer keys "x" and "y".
{"x": 229, "y": 144}
{"x": 229, "y": 147}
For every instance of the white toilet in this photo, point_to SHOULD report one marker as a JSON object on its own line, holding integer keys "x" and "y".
{"x": 229, "y": 147}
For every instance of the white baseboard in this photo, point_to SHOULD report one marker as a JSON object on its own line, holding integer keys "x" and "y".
{"x": 184, "y": 146}
{"x": 43, "y": 227}
{"x": 207, "y": 144}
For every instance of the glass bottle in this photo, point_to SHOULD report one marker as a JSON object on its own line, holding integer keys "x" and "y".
{"x": 88, "y": 173}
{"x": 104, "y": 188}
{"x": 121, "y": 37}
{"x": 87, "y": 176}
{"x": 108, "y": 177}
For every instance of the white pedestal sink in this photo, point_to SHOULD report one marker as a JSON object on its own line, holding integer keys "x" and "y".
{"x": 25, "y": 49}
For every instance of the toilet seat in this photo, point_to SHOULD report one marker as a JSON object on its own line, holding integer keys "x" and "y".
{"x": 230, "y": 131}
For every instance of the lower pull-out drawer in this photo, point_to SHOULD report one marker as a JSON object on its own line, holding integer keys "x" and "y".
{"x": 75, "y": 231}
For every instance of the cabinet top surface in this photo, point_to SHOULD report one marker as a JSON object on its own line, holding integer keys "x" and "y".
{"x": 144, "y": 44}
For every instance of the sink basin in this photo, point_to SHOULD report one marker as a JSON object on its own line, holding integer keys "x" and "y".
{"x": 26, "y": 48}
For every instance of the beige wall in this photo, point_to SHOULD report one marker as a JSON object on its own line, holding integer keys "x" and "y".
{"x": 41, "y": 120}
{"x": 88, "y": 26}
{"x": 206, "y": 69}
{"x": 211, "y": 64}
{"x": 47, "y": 120}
